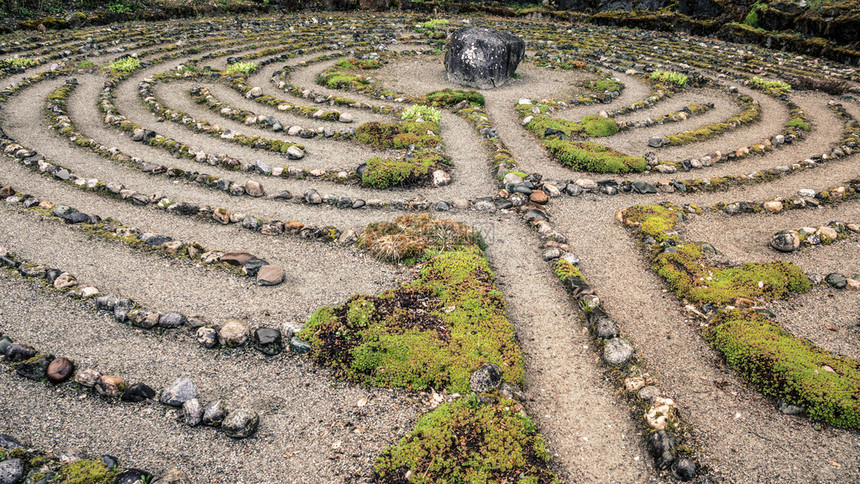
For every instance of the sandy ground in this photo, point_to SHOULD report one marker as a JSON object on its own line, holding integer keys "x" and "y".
{"x": 739, "y": 433}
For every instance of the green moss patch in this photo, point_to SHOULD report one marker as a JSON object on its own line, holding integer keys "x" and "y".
{"x": 690, "y": 277}
{"x": 433, "y": 332}
{"x": 790, "y": 368}
{"x": 86, "y": 471}
{"x": 399, "y": 135}
{"x": 449, "y": 97}
{"x": 603, "y": 85}
{"x": 361, "y": 64}
{"x": 588, "y": 156}
{"x": 466, "y": 441}
{"x": 385, "y": 172}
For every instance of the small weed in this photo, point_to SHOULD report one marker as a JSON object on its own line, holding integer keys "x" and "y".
{"x": 425, "y": 113}
{"x": 241, "y": 68}
{"x": 673, "y": 77}
{"x": 126, "y": 64}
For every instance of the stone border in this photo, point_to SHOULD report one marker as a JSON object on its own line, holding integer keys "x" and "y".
{"x": 35, "y": 365}
{"x": 21, "y": 463}
{"x": 791, "y": 240}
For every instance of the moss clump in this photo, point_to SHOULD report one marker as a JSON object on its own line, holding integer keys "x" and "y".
{"x": 466, "y": 441}
{"x": 565, "y": 270}
{"x": 603, "y": 85}
{"x": 790, "y": 368}
{"x": 398, "y": 136}
{"x": 449, "y": 97}
{"x": 689, "y": 276}
{"x": 241, "y": 68}
{"x": 587, "y": 156}
{"x": 340, "y": 80}
{"x": 86, "y": 471}
{"x": 362, "y": 64}
{"x": 126, "y": 64}
{"x": 674, "y": 77}
{"x": 385, "y": 173}
{"x": 434, "y": 332}
{"x": 798, "y": 123}
{"x": 417, "y": 237}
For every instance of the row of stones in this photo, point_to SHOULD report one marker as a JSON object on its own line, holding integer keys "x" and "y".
{"x": 791, "y": 240}
{"x": 840, "y": 150}
{"x": 233, "y": 333}
{"x": 111, "y": 229}
{"x": 20, "y": 463}
{"x": 34, "y": 365}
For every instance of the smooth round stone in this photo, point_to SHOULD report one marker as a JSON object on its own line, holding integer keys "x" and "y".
{"x": 172, "y": 320}
{"x": 60, "y": 370}
{"x": 836, "y": 280}
{"x": 270, "y": 275}
{"x": 138, "y": 392}
{"x": 207, "y": 337}
{"x": 234, "y": 333}
{"x": 4, "y": 343}
{"x": 240, "y": 424}
{"x": 785, "y": 241}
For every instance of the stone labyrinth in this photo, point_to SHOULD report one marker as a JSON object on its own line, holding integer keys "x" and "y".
{"x": 287, "y": 249}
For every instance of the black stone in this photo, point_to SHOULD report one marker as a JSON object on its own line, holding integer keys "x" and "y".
{"x": 132, "y": 476}
{"x": 643, "y": 187}
{"x": 482, "y": 58}
{"x": 252, "y": 267}
{"x": 172, "y": 320}
{"x": 284, "y": 195}
{"x": 34, "y": 368}
{"x": 269, "y": 341}
{"x": 138, "y": 392}
{"x": 186, "y": 208}
{"x": 76, "y": 218}
{"x": 684, "y": 469}
{"x": 157, "y": 240}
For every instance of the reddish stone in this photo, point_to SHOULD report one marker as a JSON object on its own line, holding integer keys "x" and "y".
{"x": 538, "y": 196}
{"x": 60, "y": 370}
{"x": 237, "y": 258}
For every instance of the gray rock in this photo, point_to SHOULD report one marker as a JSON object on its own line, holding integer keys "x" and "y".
{"x": 19, "y": 352}
{"x": 240, "y": 424}
{"x": 11, "y": 471}
{"x": 648, "y": 393}
{"x": 617, "y": 352}
{"x": 178, "y": 393}
{"x": 487, "y": 377}
{"x": 482, "y": 58}
{"x": 270, "y": 275}
{"x": 299, "y": 346}
{"x": 606, "y": 328}
{"x": 172, "y": 320}
{"x": 789, "y": 409}
{"x": 121, "y": 309}
{"x": 269, "y": 341}
{"x": 214, "y": 414}
{"x": 193, "y": 412}
{"x": 139, "y": 392}
{"x": 234, "y": 333}
{"x": 9, "y": 442}
{"x": 836, "y": 280}
{"x": 655, "y": 142}
{"x": 786, "y": 241}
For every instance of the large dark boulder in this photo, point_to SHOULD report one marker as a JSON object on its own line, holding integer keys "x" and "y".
{"x": 483, "y": 58}
{"x": 700, "y": 8}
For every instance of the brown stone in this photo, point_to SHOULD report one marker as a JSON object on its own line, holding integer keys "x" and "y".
{"x": 60, "y": 370}
{"x": 270, "y": 275}
{"x": 294, "y": 226}
{"x": 852, "y": 284}
{"x": 6, "y": 192}
{"x": 538, "y": 196}
{"x": 110, "y": 386}
{"x": 743, "y": 302}
{"x": 222, "y": 215}
{"x": 254, "y": 188}
{"x": 237, "y": 258}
